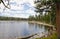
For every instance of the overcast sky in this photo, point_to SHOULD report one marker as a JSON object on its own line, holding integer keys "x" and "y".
{"x": 19, "y": 8}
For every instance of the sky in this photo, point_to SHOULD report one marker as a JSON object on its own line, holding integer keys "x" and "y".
{"x": 18, "y": 8}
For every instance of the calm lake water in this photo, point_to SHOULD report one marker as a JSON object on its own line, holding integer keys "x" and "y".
{"x": 14, "y": 29}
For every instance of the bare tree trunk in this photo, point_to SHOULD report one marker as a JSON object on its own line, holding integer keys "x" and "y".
{"x": 58, "y": 19}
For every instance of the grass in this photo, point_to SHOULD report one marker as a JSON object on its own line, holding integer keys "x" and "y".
{"x": 53, "y": 36}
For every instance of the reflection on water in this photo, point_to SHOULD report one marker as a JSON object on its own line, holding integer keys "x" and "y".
{"x": 13, "y": 29}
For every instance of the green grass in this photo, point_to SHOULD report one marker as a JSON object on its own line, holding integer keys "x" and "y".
{"x": 54, "y": 36}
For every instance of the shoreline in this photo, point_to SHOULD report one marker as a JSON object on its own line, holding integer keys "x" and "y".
{"x": 44, "y": 34}
{"x": 42, "y": 23}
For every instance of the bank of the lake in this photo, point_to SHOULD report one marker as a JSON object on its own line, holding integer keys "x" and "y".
{"x": 42, "y": 23}
{"x": 45, "y": 36}
{"x": 53, "y": 36}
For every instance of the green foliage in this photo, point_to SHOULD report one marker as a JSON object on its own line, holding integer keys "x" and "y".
{"x": 56, "y": 1}
{"x": 11, "y": 18}
{"x": 51, "y": 16}
{"x": 31, "y": 18}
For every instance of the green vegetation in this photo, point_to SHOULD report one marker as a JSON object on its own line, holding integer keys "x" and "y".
{"x": 53, "y": 36}
{"x": 49, "y": 15}
{"x": 11, "y": 18}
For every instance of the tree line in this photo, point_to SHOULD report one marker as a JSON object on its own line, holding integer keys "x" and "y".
{"x": 11, "y": 18}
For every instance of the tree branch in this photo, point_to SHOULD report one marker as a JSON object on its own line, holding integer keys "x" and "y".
{"x": 4, "y": 4}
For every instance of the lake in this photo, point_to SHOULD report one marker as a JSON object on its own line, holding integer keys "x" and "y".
{"x": 15, "y": 29}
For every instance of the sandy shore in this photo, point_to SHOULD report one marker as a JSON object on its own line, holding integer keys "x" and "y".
{"x": 41, "y": 23}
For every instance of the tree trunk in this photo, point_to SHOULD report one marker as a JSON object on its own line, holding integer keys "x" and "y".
{"x": 58, "y": 19}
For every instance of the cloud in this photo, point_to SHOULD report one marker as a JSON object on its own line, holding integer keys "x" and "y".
{"x": 19, "y": 8}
